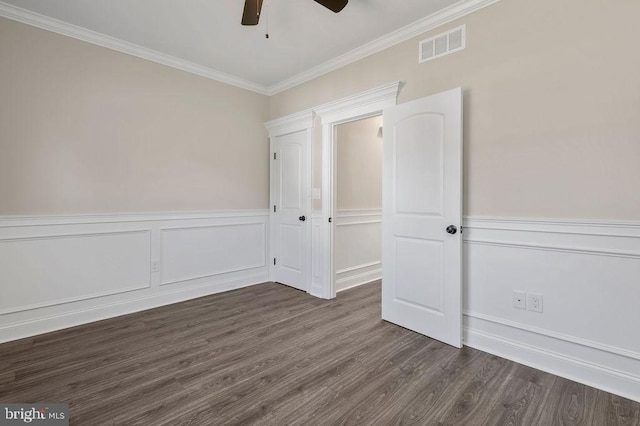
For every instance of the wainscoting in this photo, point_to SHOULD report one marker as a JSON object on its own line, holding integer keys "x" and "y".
{"x": 59, "y": 272}
{"x": 588, "y": 274}
{"x": 357, "y": 247}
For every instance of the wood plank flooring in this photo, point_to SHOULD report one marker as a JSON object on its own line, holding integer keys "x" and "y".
{"x": 272, "y": 355}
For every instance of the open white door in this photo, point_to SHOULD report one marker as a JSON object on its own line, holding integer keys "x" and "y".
{"x": 422, "y": 212}
{"x": 289, "y": 219}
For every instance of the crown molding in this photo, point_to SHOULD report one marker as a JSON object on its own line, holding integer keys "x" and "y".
{"x": 444, "y": 16}
{"x": 54, "y": 25}
{"x": 441, "y": 17}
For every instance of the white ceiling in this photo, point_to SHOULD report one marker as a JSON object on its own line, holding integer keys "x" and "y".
{"x": 303, "y": 34}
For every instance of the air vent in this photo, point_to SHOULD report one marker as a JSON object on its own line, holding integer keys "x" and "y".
{"x": 442, "y": 44}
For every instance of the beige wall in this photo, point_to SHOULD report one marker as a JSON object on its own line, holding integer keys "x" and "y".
{"x": 85, "y": 129}
{"x": 552, "y": 100}
{"x": 359, "y": 165}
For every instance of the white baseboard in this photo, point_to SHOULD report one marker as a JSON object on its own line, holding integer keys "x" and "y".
{"x": 74, "y": 318}
{"x": 358, "y": 276}
{"x": 358, "y": 247}
{"x": 588, "y": 373}
{"x": 59, "y": 272}
{"x": 587, "y": 273}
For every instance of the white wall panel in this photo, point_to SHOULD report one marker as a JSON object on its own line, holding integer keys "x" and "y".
{"x": 195, "y": 252}
{"x": 57, "y": 272}
{"x": 44, "y": 270}
{"x": 588, "y": 274}
{"x": 357, "y": 247}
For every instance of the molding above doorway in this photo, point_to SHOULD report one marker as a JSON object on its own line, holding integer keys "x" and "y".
{"x": 372, "y": 101}
{"x": 290, "y": 123}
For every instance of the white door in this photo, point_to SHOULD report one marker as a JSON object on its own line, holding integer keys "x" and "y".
{"x": 289, "y": 211}
{"x": 422, "y": 204}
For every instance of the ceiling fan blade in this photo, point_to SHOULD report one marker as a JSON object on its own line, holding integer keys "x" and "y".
{"x": 333, "y": 5}
{"x": 251, "y": 14}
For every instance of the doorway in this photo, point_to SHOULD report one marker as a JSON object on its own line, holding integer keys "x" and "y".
{"x": 357, "y": 201}
{"x": 422, "y": 207}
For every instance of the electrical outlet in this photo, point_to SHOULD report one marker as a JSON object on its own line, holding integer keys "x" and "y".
{"x": 534, "y": 302}
{"x": 155, "y": 266}
{"x": 519, "y": 300}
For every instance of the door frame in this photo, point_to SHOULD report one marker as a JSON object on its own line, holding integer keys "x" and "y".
{"x": 356, "y": 107}
{"x": 293, "y": 123}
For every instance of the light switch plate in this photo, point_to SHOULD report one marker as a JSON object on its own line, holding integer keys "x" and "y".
{"x": 519, "y": 300}
{"x": 316, "y": 193}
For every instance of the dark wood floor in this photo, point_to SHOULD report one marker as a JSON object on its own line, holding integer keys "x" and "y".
{"x": 273, "y": 355}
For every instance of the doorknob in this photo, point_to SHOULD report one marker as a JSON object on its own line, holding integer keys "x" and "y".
{"x": 451, "y": 229}
{"x": 302, "y": 218}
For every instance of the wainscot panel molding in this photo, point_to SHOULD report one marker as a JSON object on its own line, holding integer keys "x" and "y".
{"x": 587, "y": 273}
{"x": 61, "y": 271}
{"x": 318, "y": 252}
{"x": 357, "y": 247}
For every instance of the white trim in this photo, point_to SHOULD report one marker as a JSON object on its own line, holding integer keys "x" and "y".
{"x": 588, "y": 373}
{"x": 360, "y": 105}
{"x": 263, "y": 264}
{"x": 359, "y": 222}
{"x": 80, "y": 33}
{"x": 592, "y": 358}
{"x": 504, "y": 232}
{"x": 555, "y": 335}
{"x": 44, "y": 220}
{"x": 64, "y": 301}
{"x": 435, "y": 20}
{"x": 74, "y": 235}
{"x": 359, "y": 267}
{"x": 327, "y": 188}
{"x": 73, "y": 318}
{"x": 358, "y": 212}
{"x": 73, "y": 299}
{"x": 428, "y": 23}
{"x": 357, "y": 280}
{"x": 80, "y": 302}
{"x": 317, "y": 253}
{"x": 355, "y": 274}
{"x": 548, "y": 247}
{"x": 291, "y": 123}
{"x": 357, "y": 217}
{"x": 564, "y": 226}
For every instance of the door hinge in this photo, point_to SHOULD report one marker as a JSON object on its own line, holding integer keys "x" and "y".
{"x": 274, "y": 209}
{"x": 274, "y": 155}
{"x": 274, "y": 260}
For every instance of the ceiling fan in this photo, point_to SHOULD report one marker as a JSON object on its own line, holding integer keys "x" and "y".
{"x": 252, "y": 8}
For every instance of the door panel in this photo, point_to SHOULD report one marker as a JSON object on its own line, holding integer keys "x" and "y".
{"x": 419, "y": 152}
{"x": 291, "y": 199}
{"x": 422, "y": 180}
{"x": 419, "y": 273}
{"x": 290, "y": 175}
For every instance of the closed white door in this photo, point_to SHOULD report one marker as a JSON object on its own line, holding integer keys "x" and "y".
{"x": 422, "y": 212}
{"x": 290, "y": 220}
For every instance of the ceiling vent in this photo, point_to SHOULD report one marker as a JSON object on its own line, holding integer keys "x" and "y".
{"x": 442, "y": 44}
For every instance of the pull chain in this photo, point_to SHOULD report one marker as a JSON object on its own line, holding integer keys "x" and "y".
{"x": 266, "y": 35}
